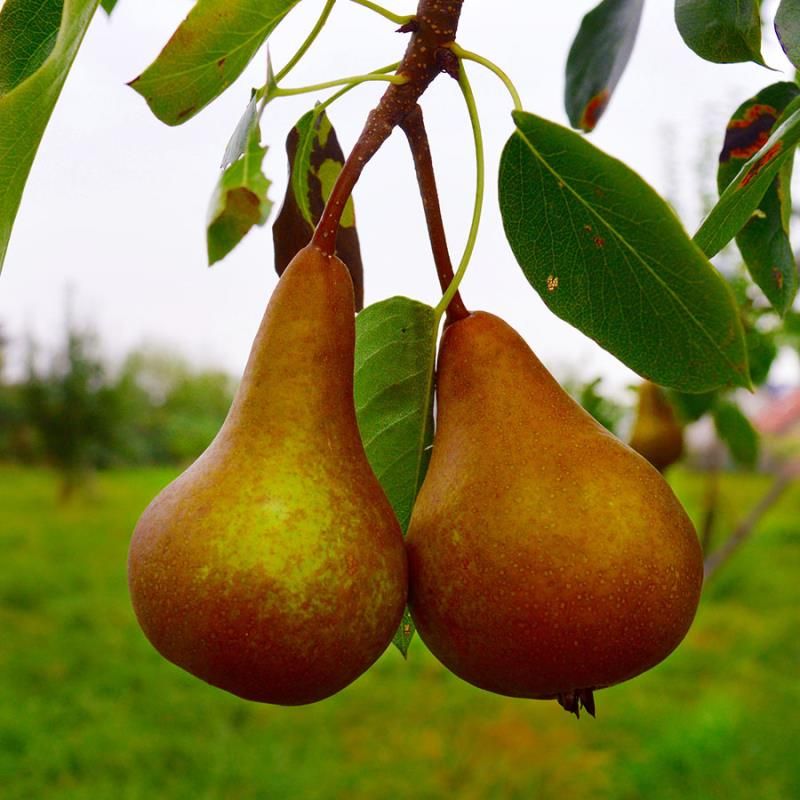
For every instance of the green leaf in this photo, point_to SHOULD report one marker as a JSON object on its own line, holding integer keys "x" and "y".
{"x": 761, "y": 352}
{"x": 315, "y": 161}
{"x": 744, "y": 193}
{"x": 598, "y": 58}
{"x": 239, "y": 200}
{"x": 394, "y": 364}
{"x": 722, "y": 31}
{"x": 691, "y": 407}
{"x": 28, "y": 31}
{"x": 610, "y": 257}
{"x": 108, "y": 6}
{"x": 764, "y": 240}
{"x": 787, "y": 27}
{"x": 31, "y": 86}
{"x": 206, "y": 54}
{"x": 740, "y": 437}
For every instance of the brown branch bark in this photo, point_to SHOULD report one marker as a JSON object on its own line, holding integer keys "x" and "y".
{"x": 434, "y": 26}
{"x": 413, "y": 126}
{"x": 747, "y": 526}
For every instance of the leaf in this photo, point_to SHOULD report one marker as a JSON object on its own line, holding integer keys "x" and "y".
{"x": 108, "y": 6}
{"x": 740, "y": 437}
{"x": 764, "y": 240}
{"x": 721, "y": 31}
{"x": 691, "y": 407}
{"x": 761, "y": 352}
{"x": 744, "y": 193}
{"x": 239, "y": 200}
{"x": 610, "y": 257}
{"x": 315, "y": 161}
{"x": 598, "y": 58}
{"x": 237, "y": 144}
{"x": 30, "y": 90}
{"x": 28, "y": 31}
{"x": 394, "y": 363}
{"x": 787, "y": 27}
{"x": 206, "y": 54}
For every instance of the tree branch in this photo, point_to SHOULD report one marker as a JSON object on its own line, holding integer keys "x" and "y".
{"x": 413, "y": 126}
{"x": 747, "y": 526}
{"x": 433, "y": 28}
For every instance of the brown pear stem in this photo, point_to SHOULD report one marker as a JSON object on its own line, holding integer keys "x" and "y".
{"x": 747, "y": 526}
{"x": 413, "y": 126}
{"x": 433, "y": 28}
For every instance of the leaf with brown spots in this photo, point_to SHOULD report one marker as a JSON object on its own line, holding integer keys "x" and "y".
{"x": 598, "y": 58}
{"x": 764, "y": 240}
{"x": 206, "y": 54}
{"x": 315, "y": 161}
{"x": 239, "y": 201}
{"x": 610, "y": 257}
{"x": 746, "y": 188}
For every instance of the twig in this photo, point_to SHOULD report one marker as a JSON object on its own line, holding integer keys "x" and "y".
{"x": 747, "y": 526}
{"x": 413, "y": 126}
{"x": 433, "y": 28}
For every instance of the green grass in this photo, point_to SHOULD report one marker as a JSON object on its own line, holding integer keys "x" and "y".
{"x": 88, "y": 710}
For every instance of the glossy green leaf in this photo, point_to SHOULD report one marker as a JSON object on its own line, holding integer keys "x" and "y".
{"x": 722, "y": 31}
{"x": 764, "y": 240}
{"x": 394, "y": 367}
{"x": 744, "y": 193}
{"x": 315, "y": 161}
{"x": 610, "y": 257}
{"x": 30, "y": 90}
{"x": 598, "y": 58}
{"x": 206, "y": 54}
{"x": 787, "y": 27}
{"x": 740, "y": 437}
{"x": 239, "y": 201}
{"x": 28, "y": 32}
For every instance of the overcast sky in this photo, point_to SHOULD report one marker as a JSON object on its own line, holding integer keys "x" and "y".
{"x": 116, "y": 203}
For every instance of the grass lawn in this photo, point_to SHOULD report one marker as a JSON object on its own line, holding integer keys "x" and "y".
{"x": 89, "y": 710}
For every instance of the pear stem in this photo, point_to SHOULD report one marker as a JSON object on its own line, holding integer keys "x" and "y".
{"x": 414, "y": 128}
{"x": 480, "y": 181}
{"x": 433, "y": 29}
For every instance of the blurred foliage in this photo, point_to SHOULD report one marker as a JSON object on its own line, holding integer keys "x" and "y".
{"x": 73, "y": 412}
{"x": 607, "y": 411}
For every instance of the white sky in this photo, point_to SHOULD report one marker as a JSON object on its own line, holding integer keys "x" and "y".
{"x": 116, "y": 203}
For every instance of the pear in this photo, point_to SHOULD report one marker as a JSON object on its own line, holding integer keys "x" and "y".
{"x": 274, "y": 567}
{"x": 657, "y": 435}
{"x": 546, "y": 558}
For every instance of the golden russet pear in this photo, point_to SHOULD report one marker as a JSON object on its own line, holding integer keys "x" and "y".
{"x": 546, "y": 558}
{"x": 657, "y": 435}
{"x": 274, "y": 566}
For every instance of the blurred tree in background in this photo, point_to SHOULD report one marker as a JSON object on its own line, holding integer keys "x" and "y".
{"x": 73, "y": 412}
